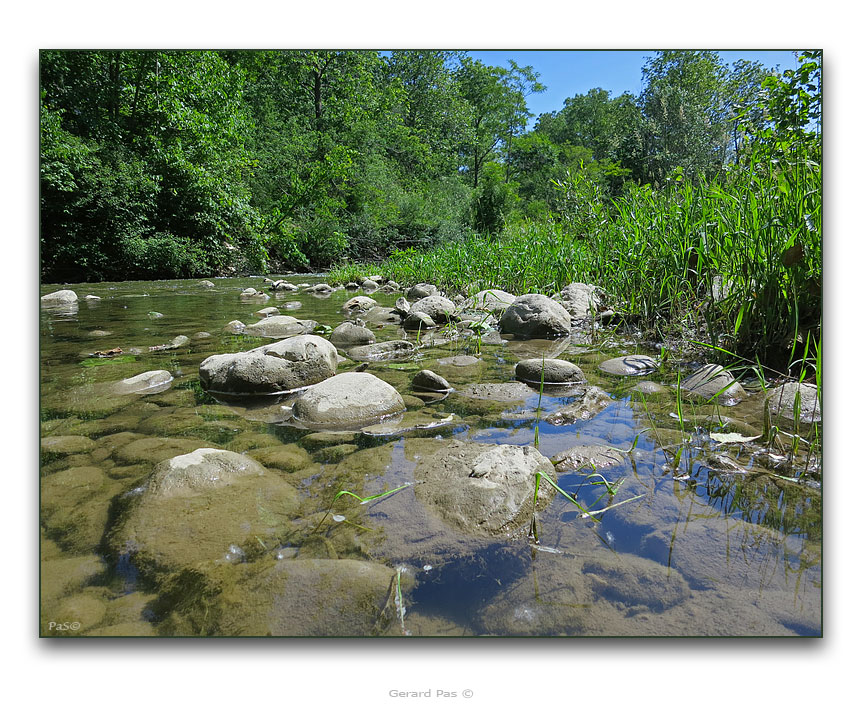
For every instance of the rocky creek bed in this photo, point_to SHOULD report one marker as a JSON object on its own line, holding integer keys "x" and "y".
{"x": 279, "y": 457}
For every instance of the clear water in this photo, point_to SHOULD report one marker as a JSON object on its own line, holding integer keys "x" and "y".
{"x": 695, "y": 547}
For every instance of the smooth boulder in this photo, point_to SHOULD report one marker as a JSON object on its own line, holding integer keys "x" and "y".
{"x": 633, "y": 365}
{"x": 782, "y": 401}
{"x": 60, "y": 298}
{"x": 347, "y": 400}
{"x": 715, "y": 383}
{"x": 279, "y": 326}
{"x": 495, "y": 301}
{"x": 275, "y": 368}
{"x": 440, "y": 309}
{"x": 347, "y": 334}
{"x": 549, "y": 371}
{"x": 536, "y": 316}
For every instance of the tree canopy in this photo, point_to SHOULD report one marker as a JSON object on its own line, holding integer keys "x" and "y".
{"x": 192, "y": 163}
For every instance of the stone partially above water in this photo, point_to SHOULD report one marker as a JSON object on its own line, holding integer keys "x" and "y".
{"x": 357, "y": 305}
{"x": 60, "y": 298}
{"x": 535, "y": 316}
{"x": 593, "y": 401}
{"x": 275, "y": 368}
{"x": 149, "y": 382}
{"x": 440, "y": 309}
{"x": 548, "y": 370}
{"x": 347, "y": 400}
{"x": 421, "y": 290}
{"x": 279, "y": 326}
{"x": 633, "y": 365}
{"x": 395, "y": 350}
{"x": 485, "y": 489}
{"x": 587, "y": 457}
{"x": 715, "y": 383}
{"x": 782, "y": 402}
{"x": 348, "y": 334}
{"x": 581, "y": 300}
{"x": 430, "y": 381}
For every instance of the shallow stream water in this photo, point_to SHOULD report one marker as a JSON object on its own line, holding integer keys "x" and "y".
{"x": 703, "y": 537}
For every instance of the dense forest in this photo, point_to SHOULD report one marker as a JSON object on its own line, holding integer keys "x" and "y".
{"x": 164, "y": 164}
{"x": 188, "y": 163}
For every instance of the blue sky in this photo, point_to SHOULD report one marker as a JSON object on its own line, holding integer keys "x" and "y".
{"x": 567, "y": 73}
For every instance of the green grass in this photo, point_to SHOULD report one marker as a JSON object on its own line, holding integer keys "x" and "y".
{"x": 656, "y": 251}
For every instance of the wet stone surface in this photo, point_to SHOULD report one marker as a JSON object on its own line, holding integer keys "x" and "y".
{"x": 405, "y": 500}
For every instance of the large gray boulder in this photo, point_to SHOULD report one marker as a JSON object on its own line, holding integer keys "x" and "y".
{"x": 484, "y": 489}
{"x": 347, "y": 334}
{"x": 280, "y": 326}
{"x": 60, "y": 298}
{"x": 347, "y": 400}
{"x": 357, "y": 305}
{"x": 581, "y": 300}
{"x": 274, "y": 368}
{"x": 440, "y": 309}
{"x": 551, "y": 371}
{"x": 536, "y": 316}
{"x": 421, "y": 290}
{"x": 715, "y": 383}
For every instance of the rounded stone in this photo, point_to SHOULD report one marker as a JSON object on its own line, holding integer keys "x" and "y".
{"x": 421, "y": 290}
{"x": 428, "y": 380}
{"x": 59, "y": 298}
{"x": 440, "y": 309}
{"x": 346, "y": 400}
{"x": 357, "y": 305}
{"x": 634, "y": 365}
{"x": 536, "y": 316}
{"x": 280, "y": 325}
{"x": 416, "y": 321}
{"x": 782, "y": 402}
{"x": 548, "y": 370}
{"x": 149, "y": 382}
{"x": 715, "y": 383}
{"x": 348, "y": 334}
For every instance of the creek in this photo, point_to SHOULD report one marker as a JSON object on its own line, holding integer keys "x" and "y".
{"x": 710, "y": 528}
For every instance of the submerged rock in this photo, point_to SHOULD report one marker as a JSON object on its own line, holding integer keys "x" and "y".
{"x": 395, "y": 350}
{"x": 715, "y": 383}
{"x": 303, "y": 597}
{"x": 275, "y": 368}
{"x": 535, "y": 317}
{"x": 149, "y": 382}
{"x": 634, "y": 365}
{"x": 485, "y": 489}
{"x": 194, "y": 507}
{"x": 347, "y": 400}
{"x": 636, "y": 581}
